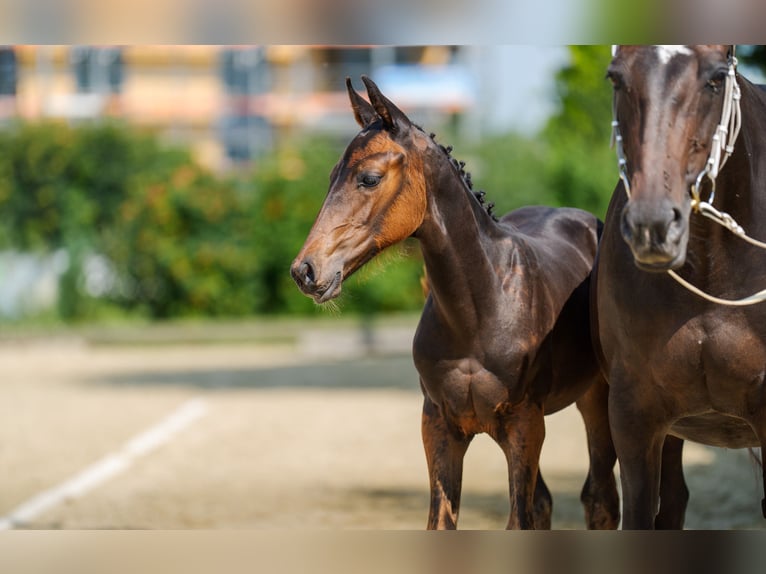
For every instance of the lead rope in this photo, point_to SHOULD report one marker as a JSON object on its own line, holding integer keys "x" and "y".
{"x": 722, "y": 147}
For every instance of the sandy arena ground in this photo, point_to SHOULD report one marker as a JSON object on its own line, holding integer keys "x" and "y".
{"x": 313, "y": 433}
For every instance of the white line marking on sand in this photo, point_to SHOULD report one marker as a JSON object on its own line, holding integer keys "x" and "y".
{"x": 108, "y": 467}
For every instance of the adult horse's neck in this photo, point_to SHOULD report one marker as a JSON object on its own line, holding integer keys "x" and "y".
{"x": 458, "y": 239}
{"x": 715, "y": 255}
{"x": 741, "y": 184}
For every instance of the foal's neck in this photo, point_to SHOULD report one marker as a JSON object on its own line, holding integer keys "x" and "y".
{"x": 459, "y": 240}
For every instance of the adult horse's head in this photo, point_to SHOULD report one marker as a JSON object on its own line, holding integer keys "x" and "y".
{"x": 376, "y": 197}
{"x": 668, "y": 103}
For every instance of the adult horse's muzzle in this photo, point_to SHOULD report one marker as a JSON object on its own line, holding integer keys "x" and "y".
{"x": 657, "y": 232}
{"x": 321, "y": 285}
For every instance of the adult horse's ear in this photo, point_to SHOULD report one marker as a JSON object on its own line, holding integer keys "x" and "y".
{"x": 364, "y": 114}
{"x": 385, "y": 108}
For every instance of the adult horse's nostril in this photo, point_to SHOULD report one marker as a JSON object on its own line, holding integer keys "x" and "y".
{"x": 677, "y": 216}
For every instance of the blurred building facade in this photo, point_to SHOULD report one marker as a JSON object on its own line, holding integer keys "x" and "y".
{"x": 234, "y": 103}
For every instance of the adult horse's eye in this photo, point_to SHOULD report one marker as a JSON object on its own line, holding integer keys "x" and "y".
{"x": 716, "y": 81}
{"x": 369, "y": 180}
{"x": 615, "y": 78}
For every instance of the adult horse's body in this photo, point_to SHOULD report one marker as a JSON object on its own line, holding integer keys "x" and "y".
{"x": 679, "y": 365}
{"x": 503, "y": 339}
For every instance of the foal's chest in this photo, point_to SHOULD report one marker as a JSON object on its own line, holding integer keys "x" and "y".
{"x": 467, "y": 392}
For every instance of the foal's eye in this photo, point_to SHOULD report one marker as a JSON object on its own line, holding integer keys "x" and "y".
{"x": 369, "y": 180}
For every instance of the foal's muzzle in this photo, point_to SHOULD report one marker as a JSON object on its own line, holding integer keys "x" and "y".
{"x": 321, "y": 289}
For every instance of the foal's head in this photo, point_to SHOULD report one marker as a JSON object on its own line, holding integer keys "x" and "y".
{"x": 377, "y": 196}
{"x": 667, "y": 102}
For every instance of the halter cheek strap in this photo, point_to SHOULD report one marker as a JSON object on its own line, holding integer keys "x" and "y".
{"x": 725, "y": 134}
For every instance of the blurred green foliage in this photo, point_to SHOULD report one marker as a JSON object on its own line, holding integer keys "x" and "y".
{"x": 570, "y": 162}
{"x": 182, "y": 241}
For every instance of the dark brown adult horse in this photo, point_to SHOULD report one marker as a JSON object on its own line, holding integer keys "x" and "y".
{"x": 685, "y": 361}
{"x": 504, "y": 336}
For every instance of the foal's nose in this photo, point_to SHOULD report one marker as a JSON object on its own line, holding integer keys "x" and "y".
{"x": 303, "y": 274}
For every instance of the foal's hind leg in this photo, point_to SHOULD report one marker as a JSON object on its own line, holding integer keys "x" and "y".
{"x": 674, "y": 494}
{"x": 599, "y": 494}
{"x": 445, "y": 450}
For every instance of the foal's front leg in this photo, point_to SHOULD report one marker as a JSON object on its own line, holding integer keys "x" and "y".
{"x": 445, "y": 450}
{"x": 521, "y": 435}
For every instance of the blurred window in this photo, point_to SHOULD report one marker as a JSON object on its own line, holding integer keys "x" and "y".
{"x": 8, "y": 71}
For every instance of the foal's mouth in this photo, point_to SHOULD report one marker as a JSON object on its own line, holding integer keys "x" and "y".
{"x": 330, "y": 291}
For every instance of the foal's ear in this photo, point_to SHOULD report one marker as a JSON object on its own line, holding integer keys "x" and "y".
{"x": 364, "y": 114}
{"x": 385, "y": 108}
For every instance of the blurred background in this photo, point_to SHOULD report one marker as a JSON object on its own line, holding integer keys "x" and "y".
{"x": 158, "y": 182}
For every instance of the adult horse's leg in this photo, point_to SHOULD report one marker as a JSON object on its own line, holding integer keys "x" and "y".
{"x": 445, "y": 451}
{"x": 521, "y": 438}
{"x": 759, "y": 427}
{"x": 543, "y": 506}
{"x": 674, "y": 494}
{"x": 638, "y": 431}
{"x": 599, "y": 493}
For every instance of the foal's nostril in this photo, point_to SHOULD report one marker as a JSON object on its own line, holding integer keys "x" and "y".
{"x": 307, "y": 272}
{"x": 303, "y": 274}
{"x": 676, "y": 215}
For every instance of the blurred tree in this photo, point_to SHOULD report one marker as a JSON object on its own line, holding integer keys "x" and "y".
{"x": 181, "y": 247}
{"x": 753, "y": 55}
{"x": 581, "y": 167}
{"x": 177, "y": 238}
{"x": 570, "y": 162}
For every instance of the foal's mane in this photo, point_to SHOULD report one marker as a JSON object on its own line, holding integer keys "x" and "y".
{"x": 464, "y": 175}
